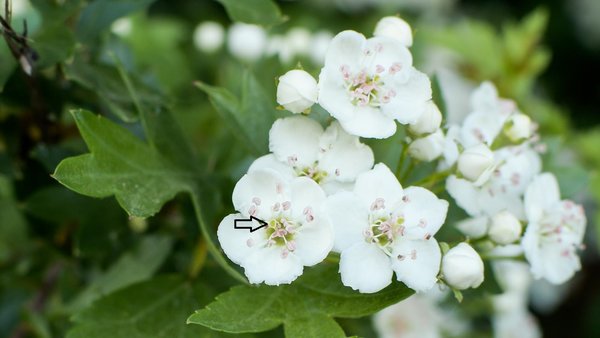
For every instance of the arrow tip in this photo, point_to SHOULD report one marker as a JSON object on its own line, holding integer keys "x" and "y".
{"x": 260, "y": 221}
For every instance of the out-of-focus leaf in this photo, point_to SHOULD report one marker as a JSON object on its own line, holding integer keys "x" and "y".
{"x": 13, "y": 226}
{"x": 156, "y": 308}
{"x": 106, "y": 82}
{"x": 135, "y": 266}
{"x": 7, "y": 63}
{"x": 315, "y": 298}
{"x": 249, "y": 119}
{"x": 53, "y": 45}
{"x": 260, "y": 12}
{"x": 100, "y": 14}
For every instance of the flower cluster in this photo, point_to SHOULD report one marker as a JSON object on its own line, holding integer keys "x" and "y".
{"x": 320, "y": 191}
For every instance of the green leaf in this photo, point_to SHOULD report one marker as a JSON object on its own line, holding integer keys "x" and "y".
{"x": 122, "y": 165}
{"x": 156, "y": 308}
{"x": 137, "y": 173}
{"x": 135, "y": 266}
{"x": 7, "y": 65}
{"x": 53, "y": 44}
{"x": 250, "y": 118}
{"x": 100, "y": 14}
{"x": 313, "y": 326}
{"x": 13, "y": 226}
{"x": 260, "y": 12}
{"x": 315, "y": 298}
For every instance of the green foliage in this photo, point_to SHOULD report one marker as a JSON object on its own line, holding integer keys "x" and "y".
{"x": 314, "y": 298}
{"x": 99, "y": 14}
{"x": 156, "y": 308}
{"x": 260, "y": 12}
{"x": 250, "y": 118}
{"x": 122, "y": 165}
{"x": 12, "y": 223}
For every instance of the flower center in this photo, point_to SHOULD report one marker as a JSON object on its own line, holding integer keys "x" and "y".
{"x": 383, "y": 230}
{"x": 280, "y": 232}
{"x": 313, "y": 173}
{"x": 367, "y": 89}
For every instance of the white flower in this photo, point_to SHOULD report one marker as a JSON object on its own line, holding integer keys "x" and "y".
{"x": 209, "y": 36}
{"x": 427, "y": 148}
{"x": 554, "y": 233}
{"x": 121, "y": 27}
{"x": 396, "y": 28}
{"x": 462, "y": 267}
{"x": 486, "y": 120}
{"x": 476, "y": 163}
{"x": 505, "y": 228}
{"x": 366, "y": 84}
{"x": 300, "y": 147}
{"x": 381, "y": 228}
{"x": 514, "y": 324}
{"x": 298, "y": 40}
{"x": 298, "y": 233}
{"x": 246, "y": 42}
{"x": 475, "y": 227}
{"x": 297, "y": 91}
{"x": 515, "y": 168}
{"x": 429, "y": 121}
{"x": 518, "y": 127}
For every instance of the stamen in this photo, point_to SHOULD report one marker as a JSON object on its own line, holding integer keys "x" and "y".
{"x": 286, "y": 205}
{"x": 250, "y": 242}
{"x": 256, "y": 200}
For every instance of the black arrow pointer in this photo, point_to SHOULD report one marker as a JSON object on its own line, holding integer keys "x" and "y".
{"x": 251, "y": 227}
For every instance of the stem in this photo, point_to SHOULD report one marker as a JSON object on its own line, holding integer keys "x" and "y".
{"x": 199, "y": 258}
{"x": 433, "y": 179}
{"x": 401, "y": 159}
{"x": 409, "y": 170}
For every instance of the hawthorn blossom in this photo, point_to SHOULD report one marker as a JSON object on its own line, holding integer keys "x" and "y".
{"x": 381, "y": 228}
{"x": 367, "y": 83}
{"x": 297, "y": 91}
{"x": 462, "y": 267}
{"x": 515, "y": 167}
{"x": 554, "y": 233}
{"x": 300, "y": 147}
{"x": 298, "y": 233}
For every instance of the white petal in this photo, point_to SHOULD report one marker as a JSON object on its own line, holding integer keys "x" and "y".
{"x": 424, "y": 213}
{"x": 411, "y": 98}
{"x": 480, "y": 127}
{"x": 238, "y": 244}
{"x": 417, "y": 263}
{"x": 334, "y": 96}
{"x": 385, "y": 52}
{"x": 332, "y": 187}
{"x": 465, "y": 194}
{"x": 378, "y": 183}
{"x": 345, "y": 49}
{"x": 314, "y": 241}
{"x": 295, "y": 139}
{"x": 264, "y": 186}
{"x": 268, "y": 265}
{"x": 369, "y": 122}
{"x": 349, "y": 219}
{"x": 364, "y": 267}
{"x": 343, "y": 156}
{"x": 541, "y": 194}
{"x": 306, "y": 197}
{"x": 558, "y": 267}
{"x": 270, "y": 162}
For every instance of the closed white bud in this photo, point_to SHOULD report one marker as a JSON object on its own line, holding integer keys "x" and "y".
{"x": 462, "y": 267}
{"x": 246, "y": 42}
{"x": 476, "y": 163}
{"x": 297, "y": 91}
{"x": 429, "y": 121}
{"x": 518, "y": 127}
{"x": 396, "y": 28}
{"x": 505, "y": 228}
{"x": 427, "y": 148}
{"x": 209, "y": 36}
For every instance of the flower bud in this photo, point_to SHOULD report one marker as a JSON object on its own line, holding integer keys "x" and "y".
{"x": 427, "y": 148}
{"x": 246, "y": 42}
{"x": 429, "y": 121}
{"x": 518, "y": 127}
{"x": 396, "y": 28}
{"x": 297, "y": 91}
{"x": 505, "y": 228}
{"x": 462, "y": 267}
{"x": 476, "y": 163}
{"x": 209, "y": 36}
